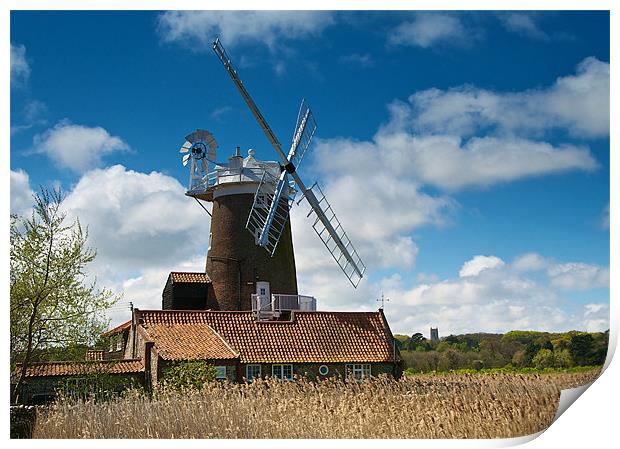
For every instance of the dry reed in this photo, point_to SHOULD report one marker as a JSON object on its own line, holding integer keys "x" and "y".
{"x": 421, "y": 406}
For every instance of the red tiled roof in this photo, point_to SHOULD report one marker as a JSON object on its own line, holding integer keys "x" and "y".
{"x": 78, "y": 368}
{"x": 311, "y": 337}
{"x": 117, "y": 329}
{"x": 189, "y": 277}
{"x": 189, "y": 341}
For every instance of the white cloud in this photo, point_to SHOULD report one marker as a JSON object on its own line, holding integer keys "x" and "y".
{"x": 234, "y": 27}
{"x": 579, "y": 276}
{"x": 596, "y": 317}
{"x": 428, "y": 29}
{"x": 142, "y": 226}
{"x": 468, "y": 137}
{"x": 576, "y": 103}
{"x": 522, "y": 23}
{"x": 137, "y": 220}
{"x": 77, "y": 147}
{"x": 377, "y": 209}
{"x": 531, "y": 262}
{"x": 448, "y": 162}
{"x": 20, "y": 69}
{"x": 496, "y": 299}
{"x": 474, "y": 266}
{"x": 21, "y": 193}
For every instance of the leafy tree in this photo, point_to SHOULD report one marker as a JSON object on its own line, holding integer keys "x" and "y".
{"x": 543, "y": 359}
{"x": 53, "y": 305}
{"x": 190, "y": 374}
{"x": 582, "y": 349}
{"x": 518, "y": 359}
{"x": 417, "y": 340}
{"x": 531, "y": 349}
{"x": 562, "y": 359}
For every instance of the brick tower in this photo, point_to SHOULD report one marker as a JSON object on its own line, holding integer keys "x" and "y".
{"x": 236, "y": 265}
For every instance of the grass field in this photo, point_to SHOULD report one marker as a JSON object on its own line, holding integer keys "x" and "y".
{"x": 421, "y": 406}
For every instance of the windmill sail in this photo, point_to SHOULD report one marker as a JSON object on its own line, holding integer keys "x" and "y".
{"x": 270, "y": 210}
{"x": 335, "y": 238}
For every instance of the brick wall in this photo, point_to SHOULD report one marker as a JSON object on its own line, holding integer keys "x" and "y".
{"x": 235, "y": 262}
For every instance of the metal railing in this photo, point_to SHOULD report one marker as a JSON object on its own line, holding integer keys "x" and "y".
{"x": 226, "y": 174}
{"x": 266, "y": 307}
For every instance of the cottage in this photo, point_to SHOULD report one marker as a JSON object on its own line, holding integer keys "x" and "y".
{"x": 315, "y": 344}
{"x": 44, "y": 379}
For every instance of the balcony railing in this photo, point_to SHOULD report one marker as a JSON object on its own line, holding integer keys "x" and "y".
{"x": 267, "y": 307}
{"x": 225, "y": 175}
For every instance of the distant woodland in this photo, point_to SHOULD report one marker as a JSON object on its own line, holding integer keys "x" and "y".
{"x": 513, "y": 350}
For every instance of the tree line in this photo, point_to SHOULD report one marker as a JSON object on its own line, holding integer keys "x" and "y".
{"x": 514, "y": 349}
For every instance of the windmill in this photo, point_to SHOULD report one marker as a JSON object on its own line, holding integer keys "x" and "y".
{"x": 200, "y": 149}
{"x": 275, "y": 196}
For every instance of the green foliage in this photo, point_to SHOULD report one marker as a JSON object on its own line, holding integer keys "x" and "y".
{"x": 562, "y": 359}
{"x": 477, "y": 365}
{"x": 517, "y": 349}
{"x": 543, "y": 359}
{"x": 52, "y": 306}
{"x": 189, "y": 375}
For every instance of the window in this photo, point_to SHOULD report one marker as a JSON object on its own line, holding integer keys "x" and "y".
{"x": 252, "y": 371}
{"x": 119, "y": 343}
{"x": 323, "y": 370}
{"x": 358, "y": 371}
{"x": 220, "y": 373}
{"x": 284, "y": 372}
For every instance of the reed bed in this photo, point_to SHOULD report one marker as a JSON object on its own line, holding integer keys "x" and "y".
{"x": 420, "y": 406}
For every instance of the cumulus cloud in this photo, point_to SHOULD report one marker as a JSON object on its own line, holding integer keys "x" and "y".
{"x": 497, "y": 298}
{"x": 428, "y": 29}
{"x": 20, "y": 69}
{"x": 235, "y": 27}
{"x": 21, "y": 193}
{"x": 377, "y": 209}
{"x": 579, "y": 276}
{"x": 531, "y": 262}
{"x": 596, "y": 317}
{"x": 474, "y": 266}
{"x": 576, "y": 103}
{"x": 468, "y": 137}
{"x": 77, "y": 147}
{"x": 137, "y": 220}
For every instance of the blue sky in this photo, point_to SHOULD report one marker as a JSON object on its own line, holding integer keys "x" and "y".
{"x": 466, "y": 154}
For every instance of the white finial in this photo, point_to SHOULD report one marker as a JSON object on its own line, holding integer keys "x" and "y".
{"x": 251, "y": 152}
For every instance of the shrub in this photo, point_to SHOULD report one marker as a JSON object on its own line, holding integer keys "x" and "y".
{"x": 189, "y": 375}
{"x": 543, "y": 359}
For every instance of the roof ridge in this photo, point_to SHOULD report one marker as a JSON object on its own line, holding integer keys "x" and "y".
{"x": 82, "y": 362}
{"x": 235, "y": 353}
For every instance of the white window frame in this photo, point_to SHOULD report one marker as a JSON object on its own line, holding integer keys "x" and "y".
{"x": 358, "y": 370}
{"x": 220, "y": 372}
{"x": 119, "y": 343}
{"x": 282, "y": 371}
{"x": 247, "y": 372}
